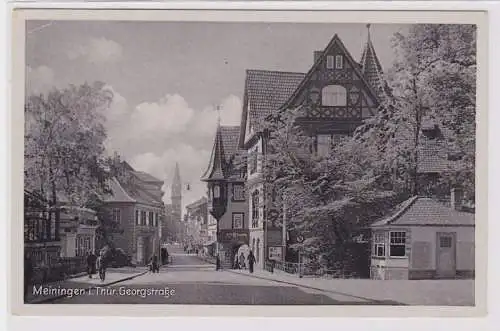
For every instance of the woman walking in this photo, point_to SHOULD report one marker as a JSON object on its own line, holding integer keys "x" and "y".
{"x": 101, "y": 266}
{"x": 242, "y": 261}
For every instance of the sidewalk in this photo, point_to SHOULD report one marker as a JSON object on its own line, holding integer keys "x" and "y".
{"x": 113, "y": 276}
{"x": 405, "y": 292}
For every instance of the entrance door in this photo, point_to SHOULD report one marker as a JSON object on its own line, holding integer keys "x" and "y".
{"x": 446, "y": 255}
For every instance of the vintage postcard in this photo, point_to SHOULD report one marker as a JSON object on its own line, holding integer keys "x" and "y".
{"x": 261, "y": 163}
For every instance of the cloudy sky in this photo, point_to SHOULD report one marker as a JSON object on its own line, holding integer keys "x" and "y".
{"x": 169, "y": 77}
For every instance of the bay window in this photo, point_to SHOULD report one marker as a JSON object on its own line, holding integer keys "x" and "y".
{"x": 379, "y": 244}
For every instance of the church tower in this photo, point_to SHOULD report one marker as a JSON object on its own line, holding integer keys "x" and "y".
{"x": 176, "y": 195}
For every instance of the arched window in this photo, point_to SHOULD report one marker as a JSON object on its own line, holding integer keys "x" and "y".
{"x": 216, "y": 192}
{"x": 255, "y": 209}
{"x": 334, "y": 95}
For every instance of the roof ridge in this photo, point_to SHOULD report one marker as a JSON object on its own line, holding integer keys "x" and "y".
{"x": 370, "y": 89}
{"x": 411, "y": 201}
{"x": 276, "y": 71}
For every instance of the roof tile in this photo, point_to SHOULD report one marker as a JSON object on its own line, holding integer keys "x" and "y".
{"x": 267, "y": 90}
{"x": 426, "y": 211}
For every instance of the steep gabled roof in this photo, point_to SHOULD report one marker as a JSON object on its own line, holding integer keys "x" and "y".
{"x": 230, "y": 136}
{"x": 335, "y": 42}
{"x": 225, "y": 148}
{"x": 265, "y": 92}
{"x": 215, "y": 170}
{"x": 372, "y": 70}
{"x": 426, "y": 211}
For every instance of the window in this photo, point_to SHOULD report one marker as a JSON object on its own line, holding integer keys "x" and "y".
{"x": 238, "y": 192}
{"x": 398, "y": 244}
{"x": 379, "y": 244}
{"x": 143, "y": 217}
{"x": 157, "y": 217}
{"x": 252, "y": 161}
{"x": 334, "y": 95}
{"x": 151, "y": 219}
{"x": 445, "y": 242}
{"x": 255, "y": 209}
{"x": 339, "y": 62}
{"x": 117, "y": 215}
{"x": 137, "y": 217}
{"x": 216, "y": 191}
{"x": 329, "y": 62}
{"x": 238, "y": 220}
{"x": 82, "y": 245}
{"x": 323, "y": 144}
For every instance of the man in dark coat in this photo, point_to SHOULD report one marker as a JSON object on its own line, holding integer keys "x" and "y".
{"x": 91, "y": 263}
{"x": 251, "y": 261}
{"x": 154, "y": 264}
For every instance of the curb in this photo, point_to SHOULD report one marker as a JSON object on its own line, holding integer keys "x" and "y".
{"x": 313, "y": 288}
{"x": 45, "y": 300}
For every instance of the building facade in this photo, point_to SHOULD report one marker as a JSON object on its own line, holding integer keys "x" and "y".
{"x": 137, "y": 208}
{"x": 228, "y": 166}
{"x": 334, "y": 97}
{"x": 197, "y": 221}
{"x": 78, "y": 231}
{"x": 425, "y": 239}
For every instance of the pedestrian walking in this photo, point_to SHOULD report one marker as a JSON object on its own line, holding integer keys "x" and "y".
{"x": 242, "y": 261}
{"x": 28, "y": 273}
{"x": 251, "y": 261}
{"x": 236, "y": 264}
{"x": 91, "y": 263}
{"x": 101, "y": 266}
{"x": 154, "y": 264}
{"x": 217, "y": 263}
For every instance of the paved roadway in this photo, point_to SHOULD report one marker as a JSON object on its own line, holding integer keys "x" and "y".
{"x": 188, "y": 280}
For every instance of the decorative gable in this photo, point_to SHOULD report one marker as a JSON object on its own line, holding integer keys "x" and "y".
{"x": 335, "y": 89}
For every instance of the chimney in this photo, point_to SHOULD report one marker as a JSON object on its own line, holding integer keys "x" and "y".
{"x": 317, "y": 54}
{"x": 457, "y": 195}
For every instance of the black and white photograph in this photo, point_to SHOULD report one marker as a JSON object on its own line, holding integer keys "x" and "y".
{"x": 250, "y": 163}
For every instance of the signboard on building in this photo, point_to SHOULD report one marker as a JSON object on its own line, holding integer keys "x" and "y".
{"x": 276, "y": 253}
{"x": 234, "y": 235}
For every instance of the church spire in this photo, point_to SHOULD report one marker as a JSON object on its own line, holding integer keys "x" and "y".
{"x": 176, "y": 182}
{"x": 372, "y": 69}
{"x": 216, "y": 169}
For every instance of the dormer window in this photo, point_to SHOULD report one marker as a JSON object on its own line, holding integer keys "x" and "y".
{"x": 334, "y": 95}
{"x": 339, "y": 62}
{"x": 330, "y": 64}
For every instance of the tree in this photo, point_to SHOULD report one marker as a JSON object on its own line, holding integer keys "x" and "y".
{"x": 432, "y": 80}
{"x": 329, "y": 200}
{"x": 64, "y": 136}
